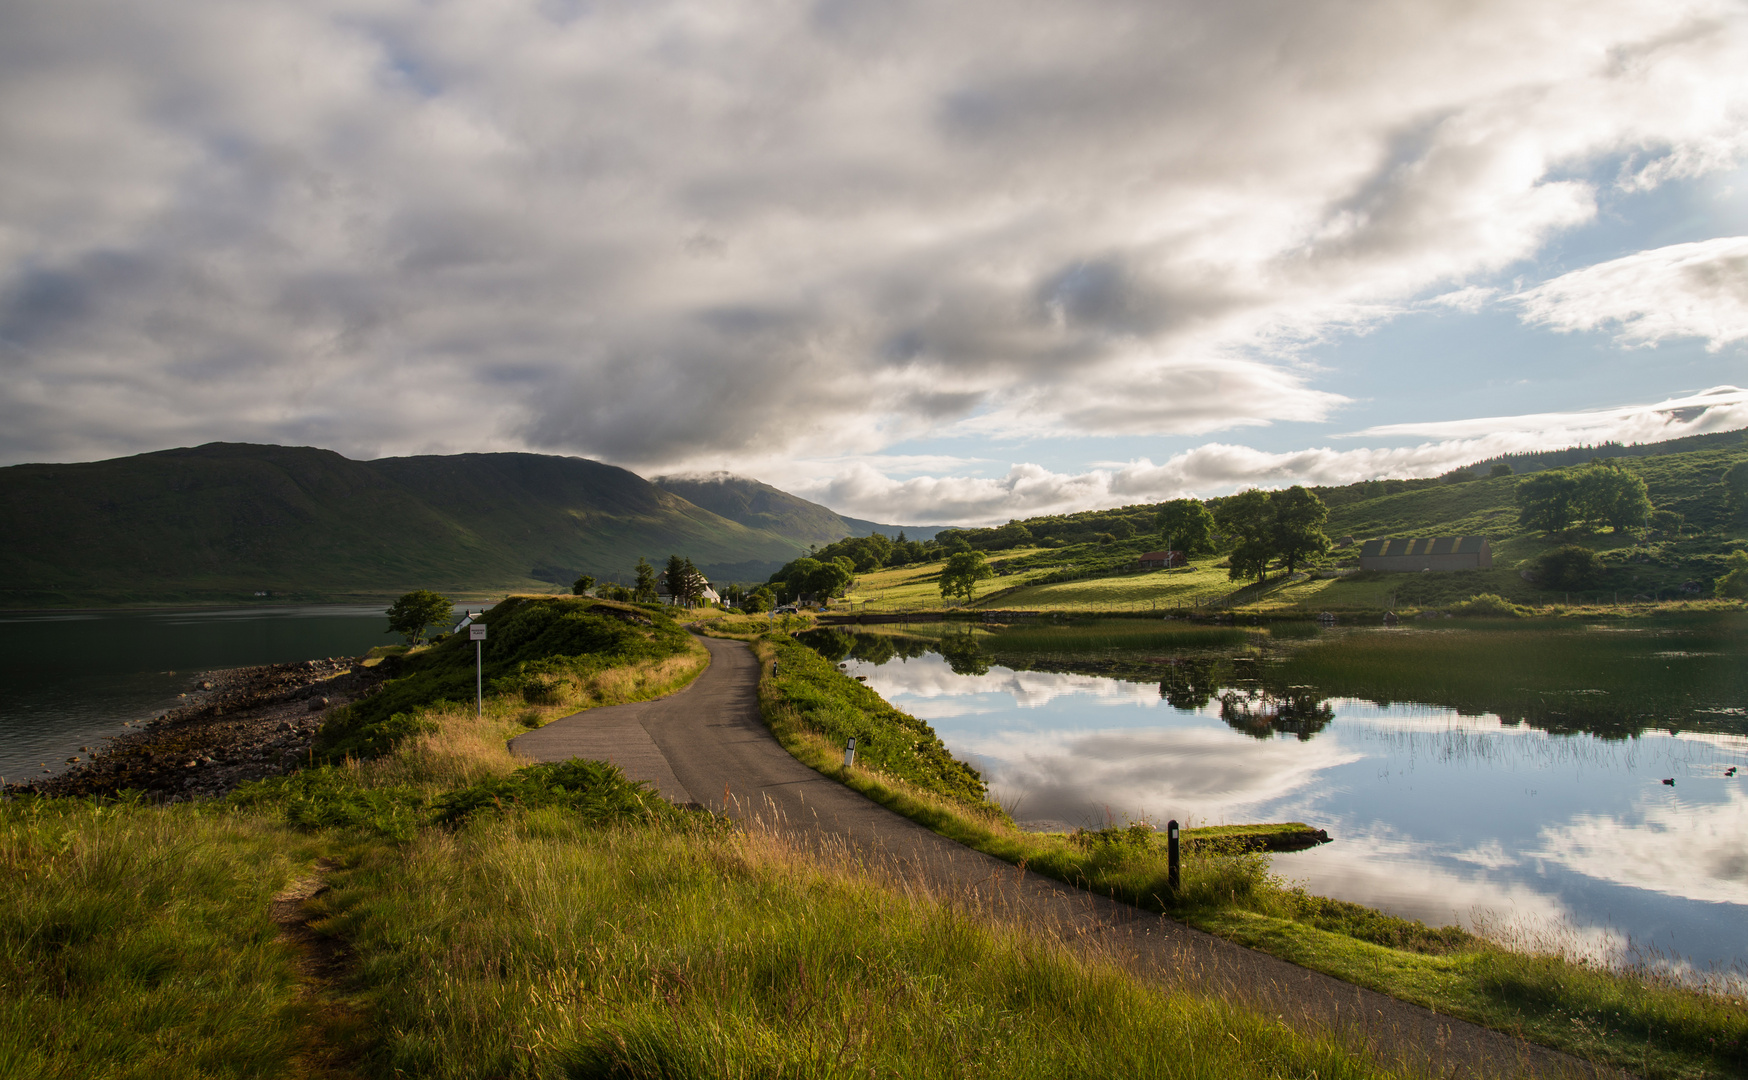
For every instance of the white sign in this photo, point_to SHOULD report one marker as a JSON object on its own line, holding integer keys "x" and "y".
{"x": 476, "y": 632}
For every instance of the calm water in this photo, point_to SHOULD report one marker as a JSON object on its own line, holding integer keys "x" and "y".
{"x": 1442, "y": 815}
{"x": 68, "y": 680}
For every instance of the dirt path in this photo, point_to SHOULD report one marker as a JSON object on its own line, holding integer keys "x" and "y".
{"x": 708, "y": 744}
{"x": 321, "y": 962}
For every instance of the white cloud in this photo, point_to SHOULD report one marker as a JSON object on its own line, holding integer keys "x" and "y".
{"x": 1697, "y": 290}
{"x": 661, "y": 233}
{"x": 1219, "y": 468}
{"x": 1721, "y": 408}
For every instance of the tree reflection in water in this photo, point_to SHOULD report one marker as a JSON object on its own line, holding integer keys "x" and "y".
{"x": 1246, "y": 704}
{"x": 1262, "y": 714}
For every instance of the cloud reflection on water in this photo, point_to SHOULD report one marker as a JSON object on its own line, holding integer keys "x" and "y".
{"x": 1563, "y": 838}
{"x": 1675, "y": 848}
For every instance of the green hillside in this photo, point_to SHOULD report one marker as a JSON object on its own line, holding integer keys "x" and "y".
{"x": 222, "y": 522}
{"x": 761, "y": 506}
{"x": 1086, "y": 561}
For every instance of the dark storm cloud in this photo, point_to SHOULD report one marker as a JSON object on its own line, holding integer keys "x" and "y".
{"x": 746, "y": 234}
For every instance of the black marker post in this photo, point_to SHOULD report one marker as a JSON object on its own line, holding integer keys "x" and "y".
{"x": 1171, "y": 855}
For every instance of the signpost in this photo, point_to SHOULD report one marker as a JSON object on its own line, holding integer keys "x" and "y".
{"x": 476, "y": 633}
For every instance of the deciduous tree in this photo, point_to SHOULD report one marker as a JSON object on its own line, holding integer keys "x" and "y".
{"x": 1609, "y": 492}
{"x": 582, "y": 585}
{"x": 1296, "y": 524}
{"x": 1547, "y": 501}
{"x": 962, "y": 573}
{"x": 1187, "y": 526}
{"x": 1245, "y": 518}
{"x": 416, "y": 612}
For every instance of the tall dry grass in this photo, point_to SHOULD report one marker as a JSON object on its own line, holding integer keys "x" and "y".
{"x": 530, "y": 946}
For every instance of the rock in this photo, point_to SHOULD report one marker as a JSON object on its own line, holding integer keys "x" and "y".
{"x": 284, "y": 725}
{"x": 1527, "y": 575}
{"x": 206, "y": 686}
{"x": 318, "y": 704}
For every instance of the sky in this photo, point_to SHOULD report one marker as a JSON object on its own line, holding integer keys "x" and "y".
{"x": 925, "y": 263}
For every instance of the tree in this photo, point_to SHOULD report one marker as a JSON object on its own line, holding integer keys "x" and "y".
{"x": 582, "y": 585}
{"x": 791, "y": 580}
{"x": 1609, "y": 492}
{"x": 1186, "y": 525}
{"x": 1547, "y": 501}
{"x": 962, "y": 573}
{"x": 675, "y": 579}
{"x": 1499, "y": 469}
{"x": 761, "y": 599}
{"x": 1011, "y": 535}
{"x": 830, "y": 578}
{"x": 685, "y": 584}
{"x": 644, "y": 592}
{"x": 414, "y": 613}
{"x": 1296, "y": 525}
{"x": 1736, "y": 485}
{"x": 1246, "y": 519}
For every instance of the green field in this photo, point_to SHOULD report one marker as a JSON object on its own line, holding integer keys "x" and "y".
{"x": 1070, "y": 568}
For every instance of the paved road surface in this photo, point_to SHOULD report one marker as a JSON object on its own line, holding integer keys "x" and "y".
{"x": 708, "y": 744}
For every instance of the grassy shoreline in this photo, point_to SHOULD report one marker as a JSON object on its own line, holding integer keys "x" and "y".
{"x": 1632, "y": 1020}
{"x": 484, "y": 918}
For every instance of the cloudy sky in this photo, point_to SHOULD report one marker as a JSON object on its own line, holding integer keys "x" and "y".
{"x": 923, "y": 262}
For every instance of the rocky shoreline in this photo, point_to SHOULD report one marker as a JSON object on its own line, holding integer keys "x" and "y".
{"x": 239, "y": 724}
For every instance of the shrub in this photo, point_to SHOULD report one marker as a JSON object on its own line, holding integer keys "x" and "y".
{"x": 329, "y": 797}
{"x": 1735, "y": 582}
{"x": 1488, "y": 605}
{"x": 596, "y": 790}
{"x": 1571, "y": 566}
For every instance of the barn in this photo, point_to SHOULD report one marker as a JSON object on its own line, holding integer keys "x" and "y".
{"x": 1162, "y": 560}
{"x": 1427, "y": 553}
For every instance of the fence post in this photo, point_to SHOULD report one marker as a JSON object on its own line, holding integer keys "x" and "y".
{"x": 1171, "y": 855}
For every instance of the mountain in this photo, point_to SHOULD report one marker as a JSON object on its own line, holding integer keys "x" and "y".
{"x": 224, "y": 521}
{"x": 761, "y": 506}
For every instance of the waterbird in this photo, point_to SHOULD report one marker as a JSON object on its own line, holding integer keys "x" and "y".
{"x": 1670, "y": 781}
{"x": 1731, "y": 771}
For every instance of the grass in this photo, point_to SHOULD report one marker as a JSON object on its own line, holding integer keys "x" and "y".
{"x": 569, "y": 651}
{"x": 496, "y": 919}
{"x": 534, "y": 945}
{"x": 1635, "y": 1019}
{"x": 135, "y": 941}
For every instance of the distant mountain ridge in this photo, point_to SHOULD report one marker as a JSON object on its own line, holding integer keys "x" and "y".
{"x": 224, "y": 521}
{"x": 760, "y": 506}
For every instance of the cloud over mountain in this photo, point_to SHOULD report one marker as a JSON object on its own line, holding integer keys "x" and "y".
{"x": 671, "y": 235}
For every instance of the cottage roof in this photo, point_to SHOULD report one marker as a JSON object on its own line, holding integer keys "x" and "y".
{"x": 1425, "y": 545}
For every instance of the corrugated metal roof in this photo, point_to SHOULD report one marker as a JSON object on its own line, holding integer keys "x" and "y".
{"x": 1424, "y": 545}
